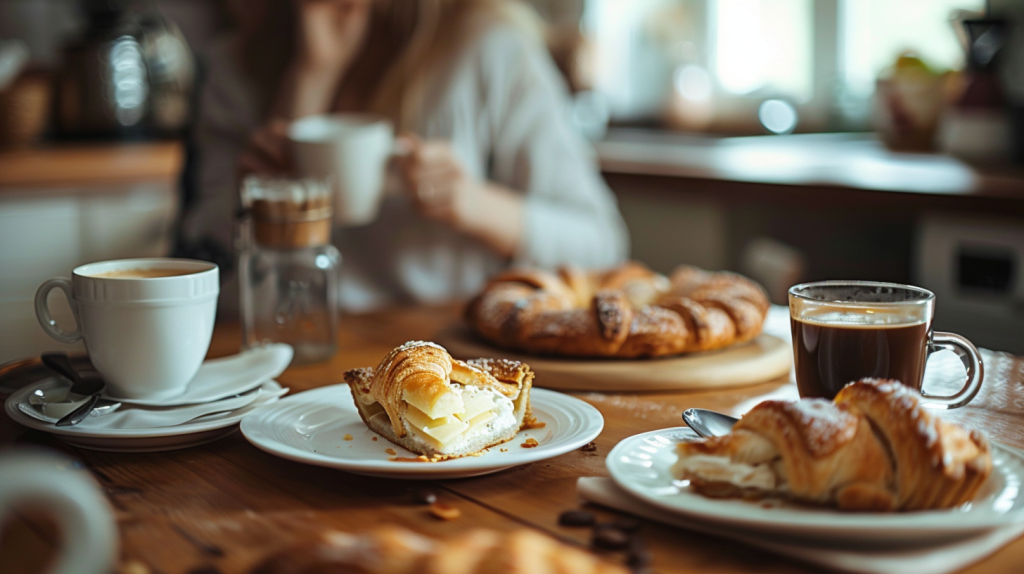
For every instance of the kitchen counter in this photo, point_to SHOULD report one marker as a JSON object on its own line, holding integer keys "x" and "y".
{"x": 836, "y": 161}
{"x": 88, "y": 166}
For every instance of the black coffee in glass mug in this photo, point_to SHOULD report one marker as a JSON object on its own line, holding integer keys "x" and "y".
{"x": 847, "y": 330}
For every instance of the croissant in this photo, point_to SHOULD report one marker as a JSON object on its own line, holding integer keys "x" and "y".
{"x": 938, "y": 464}
{"x": 394, "y": 550}
{"x": 422, "y": 399}
{"x": 629, "y": 311}
{"x": 873, "y": 449}
{"x": 810, "y": 450}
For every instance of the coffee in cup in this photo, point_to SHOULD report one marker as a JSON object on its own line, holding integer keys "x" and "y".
{"x": 146, "y": 323}
{"x": 844, "y": 331}
{"x": 143, "y": 273}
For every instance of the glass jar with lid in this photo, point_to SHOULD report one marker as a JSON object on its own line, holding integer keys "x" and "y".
{"x": 288, "y": 269}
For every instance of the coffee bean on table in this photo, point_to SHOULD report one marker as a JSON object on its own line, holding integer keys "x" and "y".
{"x": 424, "y": 496}
{"x": 639, "y": 556}
{"x": 577, "y": 518}
{"x": 609, "y": 538}
{"x": 629, "y": 525}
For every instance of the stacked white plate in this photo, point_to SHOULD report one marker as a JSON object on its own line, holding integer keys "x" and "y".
{"x": 222, "y": 393}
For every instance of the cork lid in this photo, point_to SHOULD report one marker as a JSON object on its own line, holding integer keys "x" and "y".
{"x": 288, "y": 213}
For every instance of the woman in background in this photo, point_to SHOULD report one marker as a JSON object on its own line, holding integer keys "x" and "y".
{"x": 495, "y": 175}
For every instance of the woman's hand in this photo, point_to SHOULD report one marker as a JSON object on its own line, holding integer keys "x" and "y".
{"x": 436, "y": 181}
{"x": 268, "y": 151}
{"x": 442, "y": 189}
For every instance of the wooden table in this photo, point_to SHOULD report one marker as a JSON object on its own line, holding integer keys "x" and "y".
{"x": 223, "y": 506}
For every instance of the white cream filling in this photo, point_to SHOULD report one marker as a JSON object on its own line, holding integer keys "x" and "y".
{"x": 712, "y": 468}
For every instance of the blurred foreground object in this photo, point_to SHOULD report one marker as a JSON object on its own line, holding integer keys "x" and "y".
{"x": 59, "y": 486}
{"x": 394, "y": 550}
{"x": 977, "y": 126}
{"x": 908, "y": 102}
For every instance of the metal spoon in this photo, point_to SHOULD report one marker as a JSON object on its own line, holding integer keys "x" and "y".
{"x": 88, "y": 384}
{"x": 707, "y": 423}
{"x": 55, "y": 403}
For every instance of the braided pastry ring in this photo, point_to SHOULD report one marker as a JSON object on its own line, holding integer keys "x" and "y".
{"x": 625, "y": 312}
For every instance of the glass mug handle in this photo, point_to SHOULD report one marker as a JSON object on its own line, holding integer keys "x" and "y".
{"x": 971, "y": 359}
{"x": 43, "y": 310}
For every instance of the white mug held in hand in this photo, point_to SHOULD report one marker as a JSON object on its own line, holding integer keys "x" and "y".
{"x": 350, "y": 150}
{"x": 146, "y": 323}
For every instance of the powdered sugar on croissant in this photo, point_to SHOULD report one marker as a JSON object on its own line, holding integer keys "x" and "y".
{"x": 875, "y": 448}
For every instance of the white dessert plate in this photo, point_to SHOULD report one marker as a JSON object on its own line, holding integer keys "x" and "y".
{"x": 198, "y": 431}
{"x": 312, "y": 426}
{"x": 227, "y": 376}
{"x": 641, "y": 466}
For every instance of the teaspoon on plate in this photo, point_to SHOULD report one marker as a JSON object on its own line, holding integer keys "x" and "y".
{"x": 707, "y": 423}
{"x": 55, "y": 403}
{"x": 90, "y": 385}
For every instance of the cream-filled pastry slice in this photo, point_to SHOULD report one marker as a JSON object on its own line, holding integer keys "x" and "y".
{"x": 810, "y": 450}
{"x": 422, "y": 399}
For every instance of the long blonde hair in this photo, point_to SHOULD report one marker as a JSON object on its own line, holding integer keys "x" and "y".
{"x": 408, "y": 48}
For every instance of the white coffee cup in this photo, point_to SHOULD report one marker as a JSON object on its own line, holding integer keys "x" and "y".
{"x": 146, "y": 336}
{"x": 351, "y": 151}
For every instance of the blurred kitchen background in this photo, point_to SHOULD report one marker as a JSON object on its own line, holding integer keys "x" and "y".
{"x": 790, "y": 140}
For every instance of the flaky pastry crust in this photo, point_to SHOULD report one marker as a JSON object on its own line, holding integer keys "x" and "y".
{"x": 938, "y": 464}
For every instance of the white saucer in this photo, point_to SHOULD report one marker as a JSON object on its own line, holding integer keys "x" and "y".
{"x": 311, "y": 426}
{"x": 198, "y": 431}
{"x": 640, "y": 465}
{"x": 227, "y": 376}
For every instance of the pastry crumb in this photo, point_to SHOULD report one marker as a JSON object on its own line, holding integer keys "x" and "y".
{"x": 530, "y": 443}
{"x": 391, "y": 451}
{"x": 532, "y": 423}
{"x": 133, "y": 567}
{"x": 347, "y": 437}
{"x": 504, "y": 450}
{"x": 589, "y": 447}
{"x": 374, "y": 439}
{"x": 444, "y": 512}
{"x": 419, "y": 458}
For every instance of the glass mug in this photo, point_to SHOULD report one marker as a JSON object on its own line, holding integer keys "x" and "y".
{"x": 847, "y": 330}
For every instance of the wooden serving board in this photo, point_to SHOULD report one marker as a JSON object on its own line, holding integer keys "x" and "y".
{"x": 764, "y": 358}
